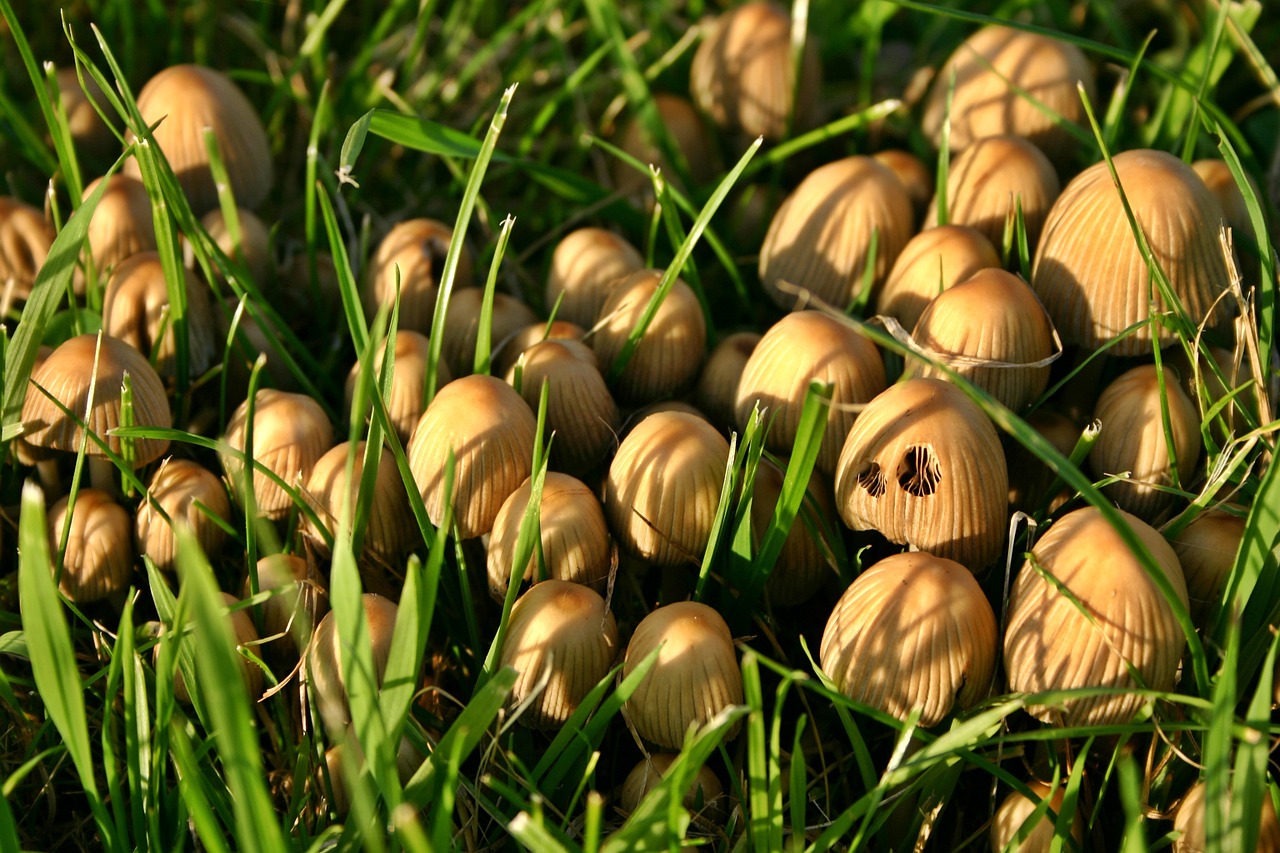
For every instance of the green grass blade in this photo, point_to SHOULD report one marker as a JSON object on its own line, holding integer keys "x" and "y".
{"x": 190, "y": 775}
{"x": 1134, "y": 839}
{"x": 347, "y": 288}
{"x": 484, "y": 335}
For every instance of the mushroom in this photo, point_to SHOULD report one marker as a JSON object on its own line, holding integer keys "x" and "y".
{"x": 1089, "y": 272}
{"x": 575, "y": 544}
{"x": 290, "y": 433}
{"x": 1016, "y": 809}
{"x": 191, "y": 99}
{"x": 803, "y": 347}
{"x": 695, "y": 676}
{"x": 913, "y": 634}
{"x": 1010, "y": 81}
{"x": 325, "y": 653}
{"x": 716, "y": 392}
{"x": 991, "y": 330}
{"x": 821, "y": 237}
{"x": 924, "y": 466}
{"x": 563, "y": 632}
{"x": 1219, "y": 180}
{"x": 913, "y": 174}
{"x": 1133, "y": 440}
{"x": 25, "y": 238}
{"x": 245, "y": 635}
{"x": 252, "y": 251}
{"x": 407, "y": 399}
{"x": 409, "y": 262}
{"x": 1083, "y": 612}
{"x": 687, "y": 134}
{"x": 121, "y": 223}
{"x": 1206, "y": 549}
{"x": 181, "y": 490}
{"x": 805, "y": 560}
{"x": 462, "y": 326}
{"x": 98, "y": 561}
{"x": 585, "y": 266}
{"x": 1029, "y": 477}
{"x": 934, "y": 260}
{"x": 1188, "y": 821}
{"x": 663, "y": 487}
{"x": 705, "y": 796}
{"x": 508, "y": 351}
{"x": 490, "y": 431}
{"x": 291, "y": 613}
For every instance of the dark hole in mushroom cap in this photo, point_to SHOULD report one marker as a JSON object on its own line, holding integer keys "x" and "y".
{"x": 919, "y": 473}
{"x": 872, "y": 480}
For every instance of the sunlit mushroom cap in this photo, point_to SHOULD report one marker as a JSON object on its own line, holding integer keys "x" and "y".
{"x": 1016, "y": 809}
{"x": 490, "y": 431}
{"x": 191, "y": 98}
{"x": 663, "y": 487}
{"x": 1207, "y": 548}
{"x": 98, "y": 561}
{"x": 1189, "y": 821}
{"x": 1089, "y": 272}
{"x": 508, "y": 351}
{"x": 389, "y": 531}
{"x": 584, "y": 267}
{"x": 290, "y": 432}
{"x": 575, "y": 538}
{"x": 704, "y": 797}
{"x": 924, "y": 466}
{"x": 186, "y": 492}
{"x": 245, "y": 634}
{"x": 743, "y": 74}
{"x": 564, "y": 632}
{"x": 688, "y": 135}
{"x": 1219, "y": 180}
{"x": 412, "y": 256}
{"x": 913, "y": 173}
{"x": 934, "y": 260}
{"x": 407, "y": 400}
{"x": 67, "y": 374}
{"x": 991, "y": 330}
{"x": 695, "y": 676}
{"x": 25, "y": 237}
{"x": 820, "y": 238}
{"x": 462, "y": 326}
{"x": 716, "y": 392}
{"x": 913, "y": 633}
{"x": 121, "y": 223}
{"x": 1126, "y": 631}
{"x": 254, "y": 248}
{"x": 294, "y": 609}
{"x": 1132, "y": 438}
{"x": 324, "y": 670}
{"x": 1009, "y": 81}
{"x": 802, "y": 347}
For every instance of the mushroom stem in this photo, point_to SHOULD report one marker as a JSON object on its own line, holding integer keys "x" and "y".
{"x": 102, "y": 474}
{"x": 50, "y": 481}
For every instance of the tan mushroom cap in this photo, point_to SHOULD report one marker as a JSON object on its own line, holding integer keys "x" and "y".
{"x": 924, "y": 466}
{"x": 412, "y": 254}
{"x": 390, "y": 532}
{"x": 1049, "y": 644}
{"x": 992, "y": 68}
{"x": 820, "y": 237}
{"x": 1189, "y": 820}
{"x": 98, "y": 561}
{"x": 585, "y": 266}
{"x": 407, "y": 401}
{"x": 1016, "y": 809}
{"x": 295, "y": 608}
{"x": 743, "y": 76}
{"x": 1089, "y": 272}
{"x": 663, "y": 487}
{"x": 25, "y": 238}
{"x": 324, "y": 665}
{"x": 1133, "y": 438}
{"x": 802, "y": 347}
{"x": 245, "y": 634}
{"x": 490, "y": 431}
{"x": 136, "y": 309}
{"x": 913, "y": 173}
{"x": 290, "y": 433}
{"x": 191, "y": 98}
{"x": 1207, "y": 548}
{"x": 716, "y": 391}
{"x": 1029, "y": 477}
{"x": 67, "y": 374}
{"x": 934, "y": 260}
{"x": 254, "y": 248}
{"x": 187, "y": 492}
{"x": 667, "y": 359}
{"x": 806, "y": 558}
{"x": 121, "y": 223}
{"x": 990, "y": 179}
{"x": 688, "y": 134}
{"x": 696, "y": 674}
{"x": 705, "y": 796}
{"x": 563, "y": 631}
{"x": 575, "y": 538}
{"x": 462, "y": 326}
{"x": 992, "y": 318}
{"x": 508, "y": 351}
{"x": 914, "y": 632}
{"x": 1218, "y": 179}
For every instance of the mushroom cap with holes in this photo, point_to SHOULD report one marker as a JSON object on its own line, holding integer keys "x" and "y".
{"x": 565, "y": 632}
{"x": 585, "y": 266}
{"x": 1189, "y": 820}
{"x": 1014, "y": 811}
{"x": 924, "y": 466}
{"x": 186, "y": 492}
{"x": 412, "y": 257}
{"x": 290, "y": 433}
{"x": 1101, "y": 621}
{"x": 98, "y": 561}
{"x": 696, "y": 674}
{"x": 914, "y": 632}
{"x": 136, "y": 309}
{"x": 407, "y": 400}
{"x": 934, "y": 260}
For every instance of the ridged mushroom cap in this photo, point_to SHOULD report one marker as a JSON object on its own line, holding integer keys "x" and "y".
{"x": 490, "y": 431}
{"x": 191, "y": 98}
{"x": 805, "y": 560}
{"x": 136, "y": 309}
{"x": 294, "y": 609}
{"x": 67, "y": 374}
{"x": 1207, "y": 548}
{"x": 695, "y": 676}
{"x": 913, "y": 173}
{"x": 704, "y": 797}
{"x": 991, "y": 318}
{"x": 988, "y": 181}
{"x": 290, "y": 433}
{"x": 1218, "y": 179}
{"x": 564, "y": 631}
{"x": 245, "y": 634}
{"x": 820, "y": 238}
{"x": 1016, "y": 809}
{"x": 934, "y": 260}
{"x": 412, "y": 254}
{"x": 121, "y": 223}
{"x": 1133, "y": 438}
{"x": 580, "y": 410}
{"x": 1089, "y": 272}
{"x": 462, "y": 326}
{"x": 1049, "y": 644}
{"x": 801, "y": 347}
{"x": 663, "y": 487}
{"x": 325, "y": 653}
{"x": 991, "y": 68}
{"x": 254, "y": 248}
{"x": 407, "y": 402}
{"x": 507, "y": 352}
{"x": 1189, "y": 821}
{"x": 390, "y": 532}
{"x": 185, "y": 491}
{"x": 575, "y": 538}
{"x": 716, "y": 392}
{"x": 688, "y": 134}
{"x": 1029, "y": 477}
{"x": 98, "y": 561}
{"x": 25, "y": 238}
{"x": 913, "y": 632}
{"x": 672, "y": 348}
{"x": 924, "y": 466}
{"x": 585, "y": 266}
{"x": 743, "y": 77}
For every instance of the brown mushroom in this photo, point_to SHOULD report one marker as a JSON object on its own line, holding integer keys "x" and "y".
{"x": 508, "y": 351}
{"x": 462, "y": 326}
{"x": 252, "y": 250}
{"x": 705, "y": 797}
{"x": 687, "y": 134}
{"x": 121, "y": 223}
{"x": 716, "y": 392}
{"x": 409, "y": 261}
{"x": 934, "y": 260}
{"x": 1189, "y": 822}
{"x": 1014, "y": 812}
{"x": 25, "y": 238}
{"x": 407, "y": 399}
{"x": 98, "y": 561}
{"x": 325, "y": 668}
{"x": 290, "y": 433}
{"x": 187, "y": 492}
{"x": 290, "y": 615}
{"x": 913, "y": 173}
{"x": 585, "y": 266}
{"x": 245, "y": 635}
{"x": 1207, "y": 549}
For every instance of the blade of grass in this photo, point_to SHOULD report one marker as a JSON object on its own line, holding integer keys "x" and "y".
{"x": 484, "y": 335}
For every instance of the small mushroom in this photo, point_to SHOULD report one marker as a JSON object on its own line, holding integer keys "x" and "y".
{"x": 1029, "y": 477}
{"x": 183, "y": 491}
{"x": 407, "y": 400}
{"x": 409, "y": 261}
{"x": 1014, "y": 812}
{"x": 390, "y": 532}
{"x": 934, "y": 260}
{"x": 805, "y": 560}
{"x": 25, "y": 238}
{"x": 705, "y": 797}
{"x": 1189, "y": 822}
{"x": 695, "y": 676}
{"x": 1083, "y": 612}
{"x": 324, "y": 665}
{"x": 913, "y": 173}
{"x": 98, "y": 561}
{"x": 121, "y": 223}
{"x": 253, "y": 251}
{"x": 687, "y": 133}
{"x": 462, "y": 326}
{"x": 914, "y": 633}
{"x": 508, "y": 351}
{"x": 585, "y": 266}
{"x": 290, "y": 433}
{"x": 716, "y": 392}
{"x": 245, "y": 635}
{"x": 1207, "y": 549}
{"x": 290, "y": 615}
